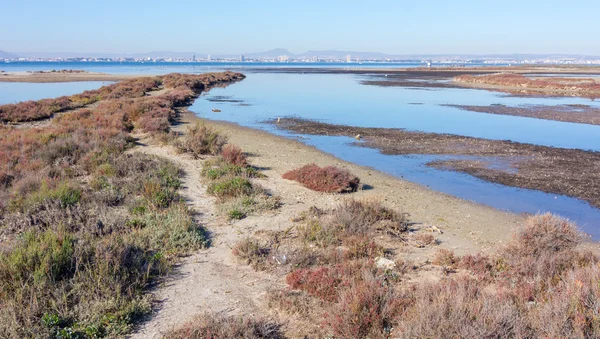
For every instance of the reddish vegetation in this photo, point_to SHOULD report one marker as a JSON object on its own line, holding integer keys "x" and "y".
{"x": 365, "y": 310}
{"x": 234, "y": 155}
{"x": 327, "y": 179}
{"x": 579, "y": 85}
{"x": 540, "y": 285}
{"x": 185, "y": 86}
{"x": 85, "y": 227}
{"x": 325, "y": 282}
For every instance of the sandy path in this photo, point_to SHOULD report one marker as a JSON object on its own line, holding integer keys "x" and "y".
{"x": 209, "y": 280}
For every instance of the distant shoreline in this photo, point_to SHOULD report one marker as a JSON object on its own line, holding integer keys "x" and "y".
{"x": 51, "y": 77}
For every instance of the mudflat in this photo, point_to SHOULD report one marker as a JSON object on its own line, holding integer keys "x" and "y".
{"x": 570, "y": 172}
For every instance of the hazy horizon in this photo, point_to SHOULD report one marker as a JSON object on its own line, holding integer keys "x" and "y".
{"x": 433, "y": 28}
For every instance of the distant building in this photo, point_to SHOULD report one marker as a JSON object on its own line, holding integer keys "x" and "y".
{"x": 194, "y": 58}
{"x": 242, "y": 58}
{"x": 283, "y": 58}
{"x": 208, "y": 58}
{"x": 348, "y": 58}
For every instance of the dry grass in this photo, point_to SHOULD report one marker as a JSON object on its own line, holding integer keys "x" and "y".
{"x": 209, "y": 326}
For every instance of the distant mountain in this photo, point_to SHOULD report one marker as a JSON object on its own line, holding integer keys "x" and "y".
{"x": 6, "y": 55}
{"x": 164, "y": 54}
{"x": 321, "y": 54}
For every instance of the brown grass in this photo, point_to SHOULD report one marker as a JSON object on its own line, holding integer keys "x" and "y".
{"x": 209, "y": 326}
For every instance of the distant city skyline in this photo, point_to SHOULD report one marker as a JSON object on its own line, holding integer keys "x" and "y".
{"x": 237, "y": 27}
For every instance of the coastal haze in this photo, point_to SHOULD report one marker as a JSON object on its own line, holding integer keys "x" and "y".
{"x": 300, "y": 170}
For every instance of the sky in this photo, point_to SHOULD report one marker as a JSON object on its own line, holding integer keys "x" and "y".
{"x": 218, "y": 27}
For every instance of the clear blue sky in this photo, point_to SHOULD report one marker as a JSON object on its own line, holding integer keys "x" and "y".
{"x": 398, "y": 27}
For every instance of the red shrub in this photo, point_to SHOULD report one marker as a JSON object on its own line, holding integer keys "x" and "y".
{"x": 328, "y": 179}
{"x": 234, "y": 155}
{"x": 325, "y": 282}
{"x": 365, "y": 310}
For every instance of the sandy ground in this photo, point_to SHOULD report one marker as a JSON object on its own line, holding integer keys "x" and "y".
{"x": 213, "y": 281}
{"x": 62, "y": 77}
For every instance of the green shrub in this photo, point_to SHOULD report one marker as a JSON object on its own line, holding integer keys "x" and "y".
{"x": 39, "y": 259}
{"x": 230, "y": 187}
{"x": 236, "y": 214}
{"x": 218, "y": 168}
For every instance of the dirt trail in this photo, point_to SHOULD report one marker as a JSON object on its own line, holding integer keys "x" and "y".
{"x": 209, "y": 280}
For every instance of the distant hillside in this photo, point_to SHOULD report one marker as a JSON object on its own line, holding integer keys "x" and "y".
{"x": 6, "y": 55}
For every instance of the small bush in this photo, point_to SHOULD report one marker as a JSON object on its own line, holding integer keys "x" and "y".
{"x": 202, "y": 140}
{"x": 424, "y": 239}
{"x": 230, "y": 188}
{"x": 158, "y": 195}
{"x": 242, "y": 206}
{"x": 351, "y": 218}
{"x": 446, "y": 258}
{"x": 355, "y": 217}
{"x": 217, "y": 168}
{"x": 328, "y": 179}
{"x": 293, "y": 302}
{"x": 365, "y": 310}
{"x": 234, "y": 155}
{"x": 325, "y": 282}
{"x": 216, "y": 327}
{"x": 251, "y": 252}
{"x": 362, "y": 247}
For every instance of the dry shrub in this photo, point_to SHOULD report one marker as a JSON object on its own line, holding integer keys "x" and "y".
{"x": 367, "y": 309}
{"x": 201, "y": 139}
{"x": 570, "y": 310}
{"x": 209, "y": 326}
{"x": 293, "y": 302}
{"x": 359, "y": 247}
{"x": 327, "y": 179}
{"x": 545, "y": 248}
{"x": 539, "y": 286}
{"x": 350, "y": 218}
{"x": 545, "y": 233}
{"x": 356, "y": 217}
{"x": 446, "y": 258}
{"x": 424, "y": 239}
{"x": 251, "y": 252}
{"x": 234, "y": 155}
{"x": 460, "y": 307}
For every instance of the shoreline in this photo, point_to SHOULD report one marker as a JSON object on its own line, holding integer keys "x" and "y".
{"x": 522, "y": 165}
{"x": 64, "y": 77}
{"x": 470, "y": 226}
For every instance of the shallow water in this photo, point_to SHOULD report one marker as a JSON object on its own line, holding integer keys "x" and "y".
{"x": 13, "y": 92}
{"x": 341, "y": 99}
{"x": 157, "y": 68}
